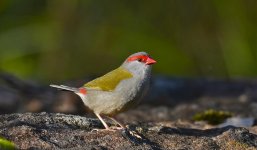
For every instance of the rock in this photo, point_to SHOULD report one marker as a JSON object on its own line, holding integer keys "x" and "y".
{"x": 60, "y": 131}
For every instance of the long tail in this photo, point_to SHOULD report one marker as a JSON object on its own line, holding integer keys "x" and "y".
{"x": 63, "y": 87}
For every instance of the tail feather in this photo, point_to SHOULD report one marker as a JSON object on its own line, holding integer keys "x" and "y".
{"x": 63, "y": 87}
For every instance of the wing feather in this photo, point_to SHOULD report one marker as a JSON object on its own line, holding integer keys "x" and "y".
{"x": 109, "y": 81}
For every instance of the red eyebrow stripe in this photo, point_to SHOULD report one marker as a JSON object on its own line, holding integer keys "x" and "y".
{"x": 143, "y": 57}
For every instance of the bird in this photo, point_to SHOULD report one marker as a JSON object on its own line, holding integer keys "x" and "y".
{"x": 118, "y": 90}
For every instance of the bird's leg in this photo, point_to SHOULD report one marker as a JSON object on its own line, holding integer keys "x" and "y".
{"x": 104, "y": 123}
{"x": 117, "y": 122}
{"x": 101, "y": 119}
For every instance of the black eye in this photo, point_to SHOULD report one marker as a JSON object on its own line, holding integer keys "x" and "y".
{"x": 140, "y": 60}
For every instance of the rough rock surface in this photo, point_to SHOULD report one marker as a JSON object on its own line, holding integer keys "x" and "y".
{"x": 60, "y": 131}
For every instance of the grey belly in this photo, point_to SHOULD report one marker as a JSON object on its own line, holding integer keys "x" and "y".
{"x": 119, "y": 100}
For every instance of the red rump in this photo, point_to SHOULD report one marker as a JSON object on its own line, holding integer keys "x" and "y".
{"x": 82, "y": 91}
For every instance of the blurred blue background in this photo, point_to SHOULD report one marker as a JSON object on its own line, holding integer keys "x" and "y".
{"x": 50, "y": 40}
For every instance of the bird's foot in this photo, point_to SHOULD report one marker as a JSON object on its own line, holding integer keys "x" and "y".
{"x": 135, "y": 134}
{"x": 107, "y": 129}
{"x": 117, "y": 128}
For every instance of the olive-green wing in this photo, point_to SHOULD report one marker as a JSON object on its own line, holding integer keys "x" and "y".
{"x": 109, "y": 81}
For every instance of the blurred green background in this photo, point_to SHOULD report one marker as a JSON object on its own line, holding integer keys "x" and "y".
{"x": 70, "y": 39}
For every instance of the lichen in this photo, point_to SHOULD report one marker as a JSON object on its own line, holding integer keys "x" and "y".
{"x": 236, "y": 145}
{"x": 213, "y": 117}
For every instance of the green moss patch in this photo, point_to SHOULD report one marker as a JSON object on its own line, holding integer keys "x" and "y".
{"x": 6, "y": 145}
{"x": 213, "y": 117}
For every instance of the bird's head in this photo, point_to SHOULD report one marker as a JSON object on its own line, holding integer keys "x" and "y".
{"x": 138, "y": 61}
{"x": 140, "y": 58}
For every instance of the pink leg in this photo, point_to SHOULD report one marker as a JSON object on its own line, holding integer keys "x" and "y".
{"x": 101, "y": 119}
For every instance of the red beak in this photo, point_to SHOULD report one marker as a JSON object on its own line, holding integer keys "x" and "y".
{"x": 150, "y": 61}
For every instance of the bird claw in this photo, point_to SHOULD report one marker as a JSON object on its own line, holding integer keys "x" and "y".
{"x": 116, "y": 128}
{"x": 135, "y": 134}
{"x": 96, "y": 130}
{"x": 108, "y": 129}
